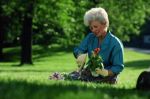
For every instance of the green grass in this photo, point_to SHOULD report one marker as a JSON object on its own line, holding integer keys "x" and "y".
{"x": 31, "y": 82}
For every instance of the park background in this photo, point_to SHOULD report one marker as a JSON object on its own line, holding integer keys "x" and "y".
{"x": 37, "y": 38}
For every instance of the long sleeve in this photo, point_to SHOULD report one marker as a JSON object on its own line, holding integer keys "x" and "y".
{"x": 83, "y": 47}
{"x": 112, "y": 53}
{"x": 117, "y": 58}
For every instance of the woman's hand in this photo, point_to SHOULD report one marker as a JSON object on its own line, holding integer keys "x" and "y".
{"x": 102, "y": 72}
{"x": 81, "y": 59}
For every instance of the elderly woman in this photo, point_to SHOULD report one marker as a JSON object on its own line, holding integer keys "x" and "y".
{"x": 111, "y": 49}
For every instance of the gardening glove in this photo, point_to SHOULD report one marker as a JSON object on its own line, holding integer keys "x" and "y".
{"x": 102, "y": 72}
{"x": 81, "y": 60}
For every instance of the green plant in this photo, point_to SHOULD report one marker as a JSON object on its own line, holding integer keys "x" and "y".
{"x": 95, "y": 60}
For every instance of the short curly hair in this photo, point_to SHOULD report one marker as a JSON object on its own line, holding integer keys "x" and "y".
{"x": 98, "y": 14}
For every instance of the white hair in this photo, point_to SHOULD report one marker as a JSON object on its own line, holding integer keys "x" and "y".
{"x": 96, "y": 14}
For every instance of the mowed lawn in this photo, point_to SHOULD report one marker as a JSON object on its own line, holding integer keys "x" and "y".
{"x": 32, "y": 81}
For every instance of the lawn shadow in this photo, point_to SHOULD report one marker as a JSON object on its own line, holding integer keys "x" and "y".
{"x": 23, "y": 90}
{"x": 53, "y": 51}
{"x": 27, "y": 70}
{"x": 138, "y": 64}
{"x": 13, "y": 54}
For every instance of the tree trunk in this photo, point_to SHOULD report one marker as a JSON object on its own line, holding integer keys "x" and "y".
{"x": 26, "y": 37}
{"x": 1, "y": 35}
{"x": 1, "y": 44}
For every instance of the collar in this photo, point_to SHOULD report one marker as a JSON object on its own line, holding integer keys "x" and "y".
{"x": 107, "y": 38}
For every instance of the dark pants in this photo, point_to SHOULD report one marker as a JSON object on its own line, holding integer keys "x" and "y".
{"x": 85, "y": 75}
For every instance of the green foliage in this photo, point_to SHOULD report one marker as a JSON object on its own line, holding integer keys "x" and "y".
{"x": 126, "y": 17}
{"x": 11, "y": 19}
{"x": 45, "y": 22}
{"x": 95, "y": 60}
{"x": 12, "y": 13}
{"x": 61, "y": 21}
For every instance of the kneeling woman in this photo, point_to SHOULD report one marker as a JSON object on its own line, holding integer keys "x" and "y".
{"x": 111, "y": 48}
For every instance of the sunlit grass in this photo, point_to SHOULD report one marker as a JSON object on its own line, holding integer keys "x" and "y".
{"x": 33, "y": 79}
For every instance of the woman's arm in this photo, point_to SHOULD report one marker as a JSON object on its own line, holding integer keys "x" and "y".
{"x": 83, "y": 46}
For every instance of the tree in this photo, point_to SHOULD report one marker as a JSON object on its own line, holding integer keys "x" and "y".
{"x": 126, "y": 17}
{"x": 3, "y": 25}
{"x": 26, "y": 36}
{"x": 61, "y": 21}
{"x": 1, "y": 36}
{"x": 1, "y": 40}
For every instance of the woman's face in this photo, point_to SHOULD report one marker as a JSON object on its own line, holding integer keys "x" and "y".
{"x": 97, "y": 28}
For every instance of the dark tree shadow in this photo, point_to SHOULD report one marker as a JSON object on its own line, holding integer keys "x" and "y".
{"x": 24, "y": 90}
{"x": 27, "y": 70}
{"x": 30, "y": 70}
{"x": 139, "y": 64}
{"x": 13, "y": 55}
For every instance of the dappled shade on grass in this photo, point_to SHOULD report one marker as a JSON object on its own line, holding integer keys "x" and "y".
{"x": 13, "y": 54}
{"x": 138, "y": 64}
{"x": 31, "y": 82}
{"x": 62, "y": 90}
